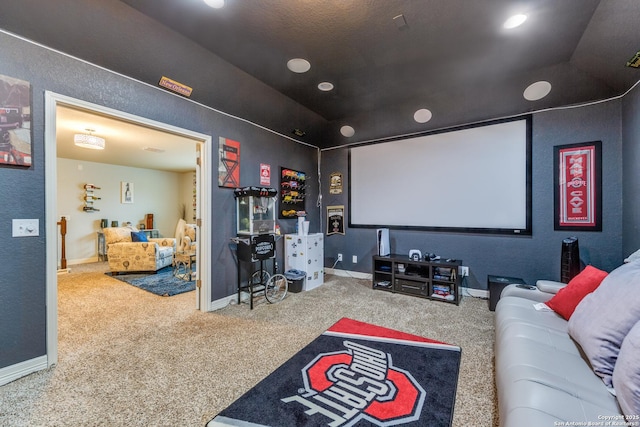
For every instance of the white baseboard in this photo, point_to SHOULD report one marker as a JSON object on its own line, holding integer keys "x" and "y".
{"x": 77, "y": 261}
{"x": 347, "y": 273}
{"x": 477, "y": 293}
{"x": 19, "y": 370}
{"x": 222, "y": 302}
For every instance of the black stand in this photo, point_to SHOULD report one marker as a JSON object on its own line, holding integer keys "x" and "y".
{"x": 251, "y": 287}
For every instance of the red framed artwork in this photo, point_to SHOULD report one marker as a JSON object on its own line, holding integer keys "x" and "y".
{"x": 578, "y": 186}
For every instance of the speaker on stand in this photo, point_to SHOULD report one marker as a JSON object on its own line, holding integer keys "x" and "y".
{"x": 570, "y": 259}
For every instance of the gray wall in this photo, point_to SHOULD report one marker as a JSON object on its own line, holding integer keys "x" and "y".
{"x": 529, "y": 257}
{"x": 631, "y": 171}
{"x": 22, "y": 284}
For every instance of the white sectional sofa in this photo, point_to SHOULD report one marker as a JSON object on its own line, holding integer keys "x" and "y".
{"x": 551, "y": 371}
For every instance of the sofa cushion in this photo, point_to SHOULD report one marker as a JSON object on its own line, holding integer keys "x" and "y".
{"x": 139, "y": 236}
{"x": 567, "y": 299}
{"x": 626, "y": 374}
{"x": 604, "y": 317}
{"x": 117, "y": 234}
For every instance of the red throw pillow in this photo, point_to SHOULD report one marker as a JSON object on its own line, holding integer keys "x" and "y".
{"x": 567, "y": 299}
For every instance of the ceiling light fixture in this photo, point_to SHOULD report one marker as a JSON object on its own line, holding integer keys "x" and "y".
{"x": 347, "y": 131}
{"x": 514, "y": 21}
{"x": 422, "y": 115}
{"x": 325, "y": 86}
{"x": 537, "y": 90}
{"x": 88, "y": 140}
{"x": 298, "y": 65}
{"x": 216, "y": 4}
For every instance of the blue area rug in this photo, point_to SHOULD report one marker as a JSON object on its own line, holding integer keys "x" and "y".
{"x": 162, "y": 283}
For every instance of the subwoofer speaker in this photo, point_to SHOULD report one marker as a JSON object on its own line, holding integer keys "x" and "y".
{"x": 570, "y": 259}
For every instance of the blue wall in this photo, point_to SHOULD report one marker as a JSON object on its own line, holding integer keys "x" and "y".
{"x": 529, "y": 257}
{"x": 22, "y": 283}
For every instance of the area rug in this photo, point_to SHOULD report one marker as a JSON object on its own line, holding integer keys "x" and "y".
{"x": 162, "y": 283}
{"x": 355, "y": 373}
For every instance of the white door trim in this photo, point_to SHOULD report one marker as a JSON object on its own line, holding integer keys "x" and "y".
{"x": 52, "y": 100}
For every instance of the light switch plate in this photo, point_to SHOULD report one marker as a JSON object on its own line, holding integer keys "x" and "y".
{"x": 25, "y": 227}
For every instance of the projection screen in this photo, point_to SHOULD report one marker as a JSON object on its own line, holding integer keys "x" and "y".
{"x": 475, "y": 179}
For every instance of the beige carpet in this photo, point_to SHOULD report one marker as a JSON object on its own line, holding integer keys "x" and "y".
{"x": 131, "y": 358}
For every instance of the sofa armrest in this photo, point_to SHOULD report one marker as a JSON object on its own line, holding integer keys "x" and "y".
{"x": 549, "y": 286}
{"x": 164, "y": 241}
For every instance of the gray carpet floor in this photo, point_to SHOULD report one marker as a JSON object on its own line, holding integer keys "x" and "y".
{"x": 131, "y": 358}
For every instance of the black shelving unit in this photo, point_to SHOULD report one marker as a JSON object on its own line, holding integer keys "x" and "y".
{"x": 436, "y": 280}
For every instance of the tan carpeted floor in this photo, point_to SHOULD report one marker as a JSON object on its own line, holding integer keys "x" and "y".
{"x": 131, "y": 358}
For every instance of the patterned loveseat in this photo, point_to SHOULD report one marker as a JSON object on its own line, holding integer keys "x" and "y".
{"x": 125, "y": 255}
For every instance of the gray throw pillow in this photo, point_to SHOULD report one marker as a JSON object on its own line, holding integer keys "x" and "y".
{"x": 626, "y": 374}
{"x": 604, "y": 318}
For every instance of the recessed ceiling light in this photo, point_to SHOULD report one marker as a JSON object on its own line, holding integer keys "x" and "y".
{"x": 347, "y": 131}
{"x": 325, "y": 86}
{"x": 514, "y": 21}
{"x": 216, "y": 4}
{"x": 422, "y": 115}
{"x": 537, "y": 90}
{"x": 298, "y": 65}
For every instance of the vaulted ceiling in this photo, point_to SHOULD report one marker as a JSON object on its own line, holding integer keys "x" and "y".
{"x": 387, "y": 59}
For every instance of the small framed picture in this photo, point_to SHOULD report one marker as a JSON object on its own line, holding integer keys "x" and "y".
{"x": 126, "y": 192}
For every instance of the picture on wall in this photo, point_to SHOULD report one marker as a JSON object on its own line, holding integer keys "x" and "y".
{"x": 335, "y": 220}
{"x": 265, "y": 174}
{"x": 228, "y": 163}
{"x": 15, "y": 121}
{"x": 126, "y": 192}
{"x": 335, "y": 183}
{"x": 578, "y": 187}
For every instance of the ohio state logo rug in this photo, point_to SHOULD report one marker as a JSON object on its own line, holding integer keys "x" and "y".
{"x": 355, "y": 374}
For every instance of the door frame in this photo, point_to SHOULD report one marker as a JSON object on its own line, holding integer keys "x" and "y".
{"x": 203, "y": 183}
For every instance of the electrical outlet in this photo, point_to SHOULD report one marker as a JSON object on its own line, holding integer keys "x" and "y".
{"x": 354, "y": 259}
{"x": 464, "y": 271}
{"x": 339, "y": 257}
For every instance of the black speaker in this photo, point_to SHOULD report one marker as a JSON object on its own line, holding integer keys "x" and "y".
{"x": 570, "y": 259}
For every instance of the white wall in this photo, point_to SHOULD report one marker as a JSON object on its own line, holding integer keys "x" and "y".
{"x": 187, "y": 190}
{"x": 156, "y": 192}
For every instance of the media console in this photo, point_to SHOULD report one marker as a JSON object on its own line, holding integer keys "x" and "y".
{"x": 436, "y": 280}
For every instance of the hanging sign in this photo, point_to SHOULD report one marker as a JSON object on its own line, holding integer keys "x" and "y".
{"x": 175, "y": 86}
{"x": 265, "y": 174}
{"x": 335, "y": 220}
{"x": 335, "y": 183}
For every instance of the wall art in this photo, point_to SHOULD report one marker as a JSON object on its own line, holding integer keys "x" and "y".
{"x": 15, "y": 121}
{"x": 228, "y": 163}
{"x": 335, "y": 220}
{"x": 578, "y": 186}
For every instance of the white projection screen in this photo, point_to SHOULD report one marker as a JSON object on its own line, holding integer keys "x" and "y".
{"x": 475, "y": 179}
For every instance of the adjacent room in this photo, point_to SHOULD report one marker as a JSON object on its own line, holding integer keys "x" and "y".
{"x": 286, "y": 213}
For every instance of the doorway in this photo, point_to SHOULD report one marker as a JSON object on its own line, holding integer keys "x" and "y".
{"x": 203, "y": 208}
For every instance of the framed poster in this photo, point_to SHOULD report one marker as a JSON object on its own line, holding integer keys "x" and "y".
{"x": 126, "y": 192}
{"x": 578, "y": 186}
{"x": 335, "y": 183}
{"x": 228, "y": 163}
{"x": 15, "y": 122}
{"x": 265, "y": 174}
{"x": 335, "y": 220}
